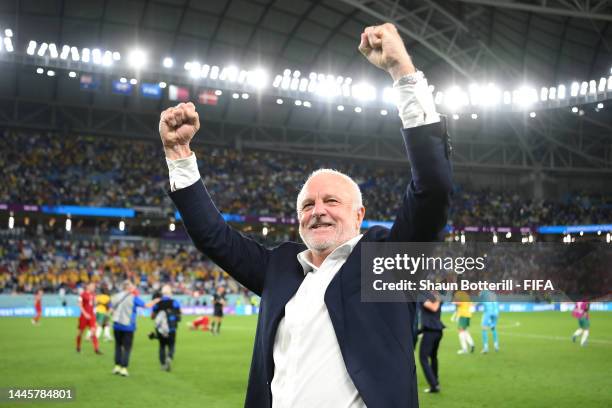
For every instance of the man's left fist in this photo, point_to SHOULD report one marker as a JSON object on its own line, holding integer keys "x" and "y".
{"x": 383, "y": 47}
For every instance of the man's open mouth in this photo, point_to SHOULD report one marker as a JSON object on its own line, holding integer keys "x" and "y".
{"x": 320, "y": 225}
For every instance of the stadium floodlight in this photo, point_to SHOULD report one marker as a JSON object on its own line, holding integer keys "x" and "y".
{"x": 532, "y": 115}
{"x": 31, "y": 47}
{"x": 507, "y": 98}
{"x": 65, "y": 52}
{"x": 205, "y": 71}
{"x": 245, "y": 95}
{"x": 53, "y": 51}
{"x": 42, "y": 49}
{"x": 439, "y": 98}
{"x": 561, "y": 92}
{"x": 235, "y": 95}
{"x": 474, "y": 116}
{"x": 8, "y": 32}
{"x": 40, "y": 71}
{"x": 383, "y": 112}
{"x": 116, "y": 56}
{"x": 602, "y": 85}
{"x": 358, "y": 109}
{"x": 490, "y": 96}
{"x": 580, "y": 112}
{"x": 600, "y": 105}
{"x": 584, "y": 86}
{"x": 85, "y": 55}
{"x": 214, "y": 72}
{"x": 608, "y": 237}
{"x": 121, "y": 225}
{"x": 133, "y": 81}
{"x": 295, "y": 82}
{"x": 171, "y": 227}
{"x": 298, "y": 102}
{"x": 303, "y": 87}
{"x": 475, "y": 93}
{"x": 218, "y": 92}
{"x": 50, "y": 73}
{"x": 74, "y": 54}
{"x": 455, "y": 116}
{"x": 574, "y": 109}
{"x": 610, "y": 83}
{"x": 187, "y": 66}
{"x": 277, "y": 81}
{"x": 552, "y": 93}
{"x": 232, "y": 73}
{"x": 455, "y": 98}
{"x": 286, "y": 82}
{"x": 168, "y": 62}
{"x": 592, "y": 87}
{"x": 525, "y": 96}
{"x": 257, "y": 78}
{"x": 286, "y": 72}
{"x": 96, "y": 56}
{"x": 494, "y": 238}
{"x": 574, "y": 89}
{"x": 195, "y": 69}
{"x": 363, "y": 92}
{"x": 123, "y": 80}
{"x": 137, "y": 59}
{"x": 544, "y": 94}
{"x": 107, "y": 58}
{"x": 162, "y": 84}
{"x": 72, "y": 74}
{"x": 11, "y": 222}
{"x": 508, "y": 235}
{"x": 307, "y": 104}
{"x": 68, "y": 224}
{"x": 296, "y": 74}
{"x": 340, "y": 108}
{"x": 279, "y": 101}
{"x": 8, "y": 44}
{"x": 581, "y": 233}
{"x": 242, "y": 76}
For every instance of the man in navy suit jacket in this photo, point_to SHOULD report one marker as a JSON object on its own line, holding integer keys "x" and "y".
{"x": 317, "y": 344}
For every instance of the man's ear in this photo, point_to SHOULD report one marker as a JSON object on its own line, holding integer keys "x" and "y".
{"x": 360, "y": 216}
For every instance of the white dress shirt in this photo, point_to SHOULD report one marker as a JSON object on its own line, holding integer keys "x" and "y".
{"x": 309, "y": 370}
{"x": 308, "y": 367}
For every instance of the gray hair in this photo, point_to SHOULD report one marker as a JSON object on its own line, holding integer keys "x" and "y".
{"x": 357, "y": 198}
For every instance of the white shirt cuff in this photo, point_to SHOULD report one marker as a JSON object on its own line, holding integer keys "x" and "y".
{"x": 183, "y": 172}
{"x": 415, "y": 104}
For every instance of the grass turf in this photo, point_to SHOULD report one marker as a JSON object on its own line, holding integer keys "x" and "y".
{"x": 538, "y": 365}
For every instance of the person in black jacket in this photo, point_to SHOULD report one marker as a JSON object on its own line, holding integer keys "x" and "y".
{"x": 167, "y": 314}
{"x": 432, "y": 328}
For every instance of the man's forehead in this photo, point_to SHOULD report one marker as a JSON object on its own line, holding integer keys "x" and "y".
{"x": 327, "y": 184}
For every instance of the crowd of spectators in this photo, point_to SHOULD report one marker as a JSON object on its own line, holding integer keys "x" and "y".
{"x": 30, "y": 264}
{"x": 95, "y": 171}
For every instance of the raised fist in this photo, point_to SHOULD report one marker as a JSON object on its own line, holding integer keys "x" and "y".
{"x": 383, "y": 47}
{"x": 177, "y": 126}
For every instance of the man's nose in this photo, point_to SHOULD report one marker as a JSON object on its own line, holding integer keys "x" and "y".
{"x": 319, "y": 208}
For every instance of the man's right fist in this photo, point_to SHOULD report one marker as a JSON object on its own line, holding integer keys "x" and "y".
{"x": 177, "y": 126}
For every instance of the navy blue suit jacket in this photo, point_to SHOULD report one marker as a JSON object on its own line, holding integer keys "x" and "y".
{"x": 375, "y": 339}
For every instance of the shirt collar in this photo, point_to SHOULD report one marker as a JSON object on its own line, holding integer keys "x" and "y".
{"x": 343, "y": 251}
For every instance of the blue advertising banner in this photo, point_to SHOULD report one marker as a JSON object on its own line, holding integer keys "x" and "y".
{"x": 152, "y": 91}
{"x": 122, "y": 88}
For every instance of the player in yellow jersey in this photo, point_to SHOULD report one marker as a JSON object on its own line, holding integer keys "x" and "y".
{"x": 464, "y": 314}
{"x": 102, "y": 307}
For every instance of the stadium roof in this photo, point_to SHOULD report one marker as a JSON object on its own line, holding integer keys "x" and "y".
{"x": 510, "y": 43}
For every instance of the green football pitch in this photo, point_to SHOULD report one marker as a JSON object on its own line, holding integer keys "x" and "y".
{"x": 538, "y": 365}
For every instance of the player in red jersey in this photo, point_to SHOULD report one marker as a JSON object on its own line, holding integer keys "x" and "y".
{"x": 37, "y": 306}
{"x": 202, "y": 323}
{"x": 88, "y": 317}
